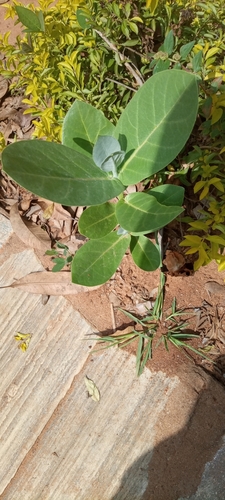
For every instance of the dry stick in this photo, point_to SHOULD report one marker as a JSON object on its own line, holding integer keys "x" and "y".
{"x": 122, "y": 84}
{"x": 136, "y": 74}
{"x": 113, "y": 317}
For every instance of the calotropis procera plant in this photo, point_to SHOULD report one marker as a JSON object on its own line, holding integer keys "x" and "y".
{"x": 98, "y": 160}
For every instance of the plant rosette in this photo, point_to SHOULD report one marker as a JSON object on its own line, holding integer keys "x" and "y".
{"x": 97, "y": 161}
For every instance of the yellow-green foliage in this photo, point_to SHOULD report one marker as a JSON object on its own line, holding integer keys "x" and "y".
{"x": 65, "y": 62}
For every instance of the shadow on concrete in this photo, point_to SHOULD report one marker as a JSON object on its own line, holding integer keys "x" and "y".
{"x": 173, "y": 470}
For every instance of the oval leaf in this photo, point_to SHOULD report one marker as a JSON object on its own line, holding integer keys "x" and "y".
{"x": 29, "y": 19}
{"x": 96, "y": 222}
{"x": 168, "y": 194}
{"x": 82, "y": 125}
{"x": 104, "y": 148}
{"x": 145, "y": 253}
{"x": 58, "y": 173}
{"x": 157, "y": 123}
{"x": 96, "y": 261}
{"x": 141, "y": 213}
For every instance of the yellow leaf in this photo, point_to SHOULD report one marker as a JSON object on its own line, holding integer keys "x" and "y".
{"x": 136, "y": 18}
{"x": 199, "y": 185}
{"x": 221, "y": 266}
{"x": 202, "y": 259}
{"x": 92, "y": 389}
{"x": 198, "y": 225}
{"x": 152, "y": 5}
{"x": 212, "y": 51}
{"x": 22, "y": 336}
{"x": 216, "y": 115}
{"x": 222, "y": 150}
{"x": 25, "y": 338}
{"x": 191, "y": 251}
{"x": 191, "y": 240}
{"x": 219, "y": 186}
{"x": 48, "y": 211}
{"x": 204, "y": 193}
{"x": 216, "y": 239}
{"x": 197, "y": 48}
{"x": 29, "y": 111}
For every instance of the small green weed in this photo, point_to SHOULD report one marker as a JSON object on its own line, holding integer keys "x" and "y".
{"x": 168, "y": 329}
{"x": 62, "y": 257}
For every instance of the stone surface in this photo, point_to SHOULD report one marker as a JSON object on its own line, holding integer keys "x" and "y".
{"x": 5, "y": 230}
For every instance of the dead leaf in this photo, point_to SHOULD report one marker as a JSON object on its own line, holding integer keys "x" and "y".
{"x": 3, "y": 83}
{"x": 36, "y": 239}
{"x": 48, "y": 283}
{"x": 48, "y": 211}
{"x": 92, "y": 389}
{"x": 174, "y": 261}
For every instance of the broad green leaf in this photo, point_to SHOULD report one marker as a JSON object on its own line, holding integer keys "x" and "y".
{"x": 41, "y": 19}
{"x": 197, "y": 61}
{"x": 168, "y": 44}
{"x": 161, "y": 66}
{"x": 168, "y": 194}
{"x": 145, "y": 253}
{"x": 58, "y": 173}
{"x": 83, "y": 18}
{"x": 186, "y": 49}
{"x": 96, "y": 261}
{"x": 156, "y": 123}
{"x": 29, "y": 19}
{"x": 96, "y": 222}
{"x": 142, "y": 213}
{"x": 82, "y": 125}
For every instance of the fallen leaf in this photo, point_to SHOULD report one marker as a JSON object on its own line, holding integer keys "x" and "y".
{"x": 3, "y": 82}
{"x": 37, "y": 241}
{"x": 48, "y": 211}
{"x": 48, "y": 283}
{"x": 24, "y": 339}
{"x": 92, "y": 389}
{"x": 174, "y": 261}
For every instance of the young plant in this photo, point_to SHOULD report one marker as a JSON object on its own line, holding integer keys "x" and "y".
{"x": 144, "y": 335}
{"x": 147, "y": 328}
{"x": 61, "y": 257}
{"x": 98, "y": 160}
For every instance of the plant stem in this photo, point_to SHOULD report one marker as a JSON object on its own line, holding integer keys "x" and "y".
{"x": 136, "y": 74}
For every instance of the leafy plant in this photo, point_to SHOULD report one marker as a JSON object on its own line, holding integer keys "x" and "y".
{"x": 168, "y": 329}
{"x": 96, "y": 162}
{"x": 207, "y": 238}
{"x": 61, "y": 256}
{"x": 58, "y": 60}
